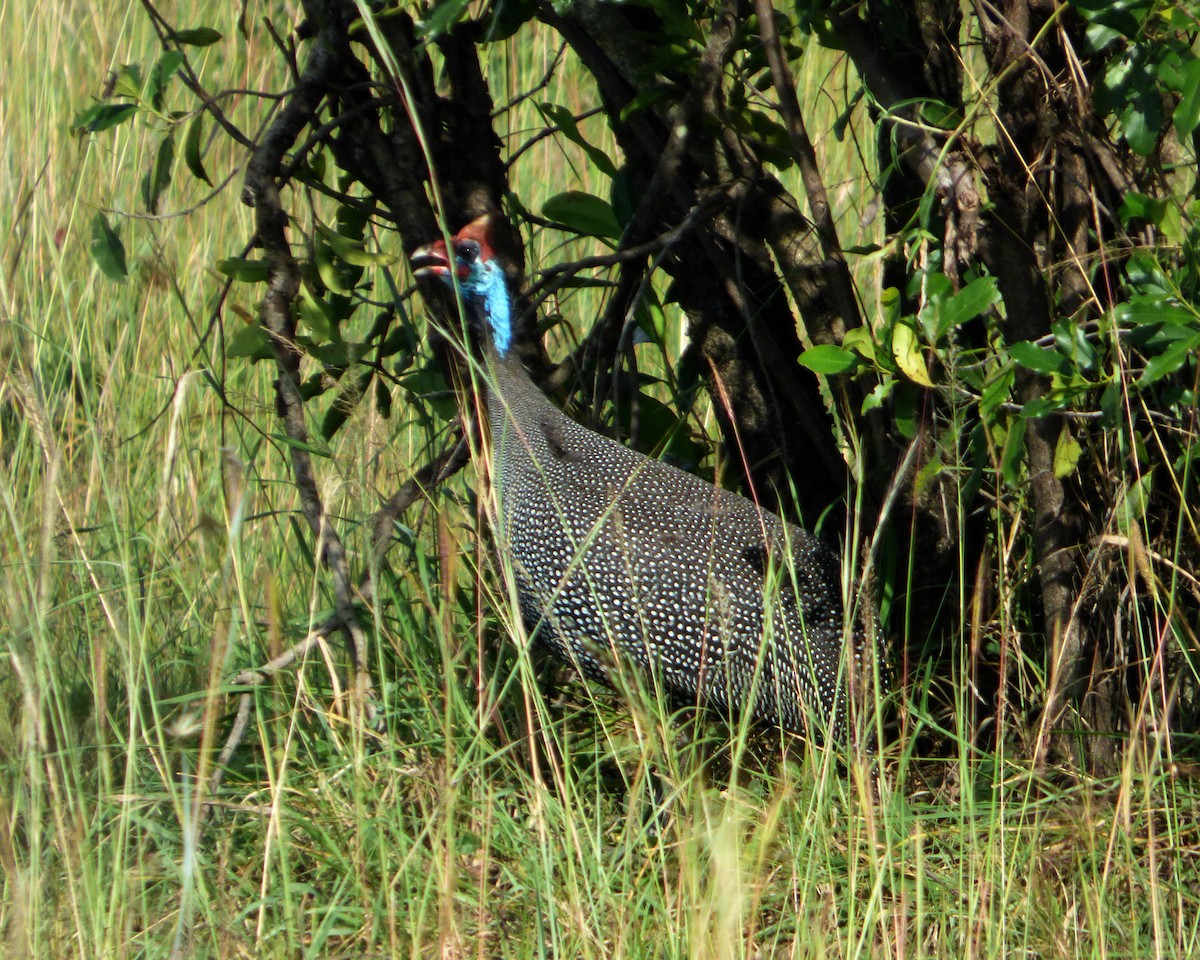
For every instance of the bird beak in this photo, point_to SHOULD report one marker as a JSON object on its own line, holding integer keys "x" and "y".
{"x": 431, "y": 260}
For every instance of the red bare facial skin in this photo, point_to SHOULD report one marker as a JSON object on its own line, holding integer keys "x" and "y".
{"x": 433, "y": 259}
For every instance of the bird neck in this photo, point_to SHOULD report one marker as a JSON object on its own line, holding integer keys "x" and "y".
{"x": 511, "y": 391}
{"x": 512, "y": 394}
{"x": 492, "y": 300}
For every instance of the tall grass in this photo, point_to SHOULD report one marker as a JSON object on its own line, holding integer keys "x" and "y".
{"x": 148, "y": 549}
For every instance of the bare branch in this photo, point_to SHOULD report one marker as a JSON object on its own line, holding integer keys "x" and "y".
{"x": 806, "y": 159}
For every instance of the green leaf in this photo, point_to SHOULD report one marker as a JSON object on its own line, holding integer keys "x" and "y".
{"x": 646, "y": 97}
{"x": 583, "y": 213}
{"x": 250, "y": 341}
{"x": 160, "y": 74}
{"x": 102, "y": 116}
{"x": 1140, "y": 124}
{"x": 1039, "y": 407}
{"x": 771, "y": 138}
{"x": 507, "y": 17}
{"x": 1187, "y": 111}
{"x": 1153, "y": 308}
{"x": 1013, "y": 454}
{"x": 1123, "y": 16}
{"x": 335, "y": 273}
{"x": 1073, "y": 343}
{"x": 428, "y": 389}
{"x": 940, "y": 114}
{"x": 967, "y": 304}
{"x": 129, "y": 82}
{"x": 881, "y": 391}
{"x": 442, "y": 17}
{"x": 1170, "y": 360}
{"x": 353, "y": 251}
{"x": 909, "y": 357}
{"x": 1066, "y": 454}
{"x": 316, "y": 449}
{"x": 562, "y": 118}
{"x": 859, "y": 340}
{"x": 316, "y": 315}
{"x": 1137, "y": 206}
{"x": 196, "y": 36}
{"x": 651, "y": 319}
{"x": 828, "y": 359}
{"x": 995, "y": 392}
{"x": 344, "y": 403}
{"x": 107, "y": 250}
{"x": 158, "y": 177}
{"x": 191, "y": 148}
{"x": 244, "y": 269}
{"x": 1032, "y": 357}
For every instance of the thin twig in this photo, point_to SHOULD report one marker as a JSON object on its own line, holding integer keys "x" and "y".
{"x": 261, "y": 192}
{"x": 536, "y": 88}
{"x": 165, "y": 31}
{"x": 429, "y": 477}
{"x": 810, "y": 172}
{"x": 555, "y": 277}
{"x": 256, "y": 677}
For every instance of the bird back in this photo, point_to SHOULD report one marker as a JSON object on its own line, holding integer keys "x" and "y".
{"x": 623, "y": 559}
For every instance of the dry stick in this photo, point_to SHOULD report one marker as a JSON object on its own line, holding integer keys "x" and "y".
{"x": 445, "y": 465}
{"x": 433, "y": 474}
{"x": 189, "y": 76}
{"x": 262, "y": 193}
{"x": 254, "y": 678}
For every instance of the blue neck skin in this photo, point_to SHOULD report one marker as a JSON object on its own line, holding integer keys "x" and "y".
{"x": 487, "y": 290}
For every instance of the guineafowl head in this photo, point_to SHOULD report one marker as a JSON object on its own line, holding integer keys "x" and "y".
{"x": 471, "y": 264}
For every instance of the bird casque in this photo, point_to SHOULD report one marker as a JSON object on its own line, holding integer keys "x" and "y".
{"x": 620, "y": 559}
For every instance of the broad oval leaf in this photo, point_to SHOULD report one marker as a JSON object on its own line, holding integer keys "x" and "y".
{"x": 1141, "y": 121}
{"x": 196, "y": 36}
{"x": 244, "y": 269}
{"x": 1187, "y": 111}
{"x": 251, "y": 341}
{"x": 107, "y": 249}
{"x": 828, "y": 359}
{"x": 967, "y": 304}
{"x": 191, "y": 148}
{"x": 1067, "y": 452}
{"x": 1032, "y": 357}
{"x": 583, "y": 213}
{"x": 102, "y": 116}
{"x": 909, "y": 357}
{"x": 859, "y": 340}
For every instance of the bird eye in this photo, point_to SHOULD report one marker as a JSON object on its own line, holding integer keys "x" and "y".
{"x": 467, "y": 251}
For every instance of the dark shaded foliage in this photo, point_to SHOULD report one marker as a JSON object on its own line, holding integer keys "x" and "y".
{"x": 1020, "y": 421}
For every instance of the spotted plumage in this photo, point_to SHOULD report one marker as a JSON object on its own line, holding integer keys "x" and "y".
{"x": 620, "y": 559}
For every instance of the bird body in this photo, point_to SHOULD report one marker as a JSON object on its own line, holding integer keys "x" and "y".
{"x": 621, "y": 559}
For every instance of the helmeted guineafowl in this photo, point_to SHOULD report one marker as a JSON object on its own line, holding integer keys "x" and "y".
{"x": 620, "y": 558}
